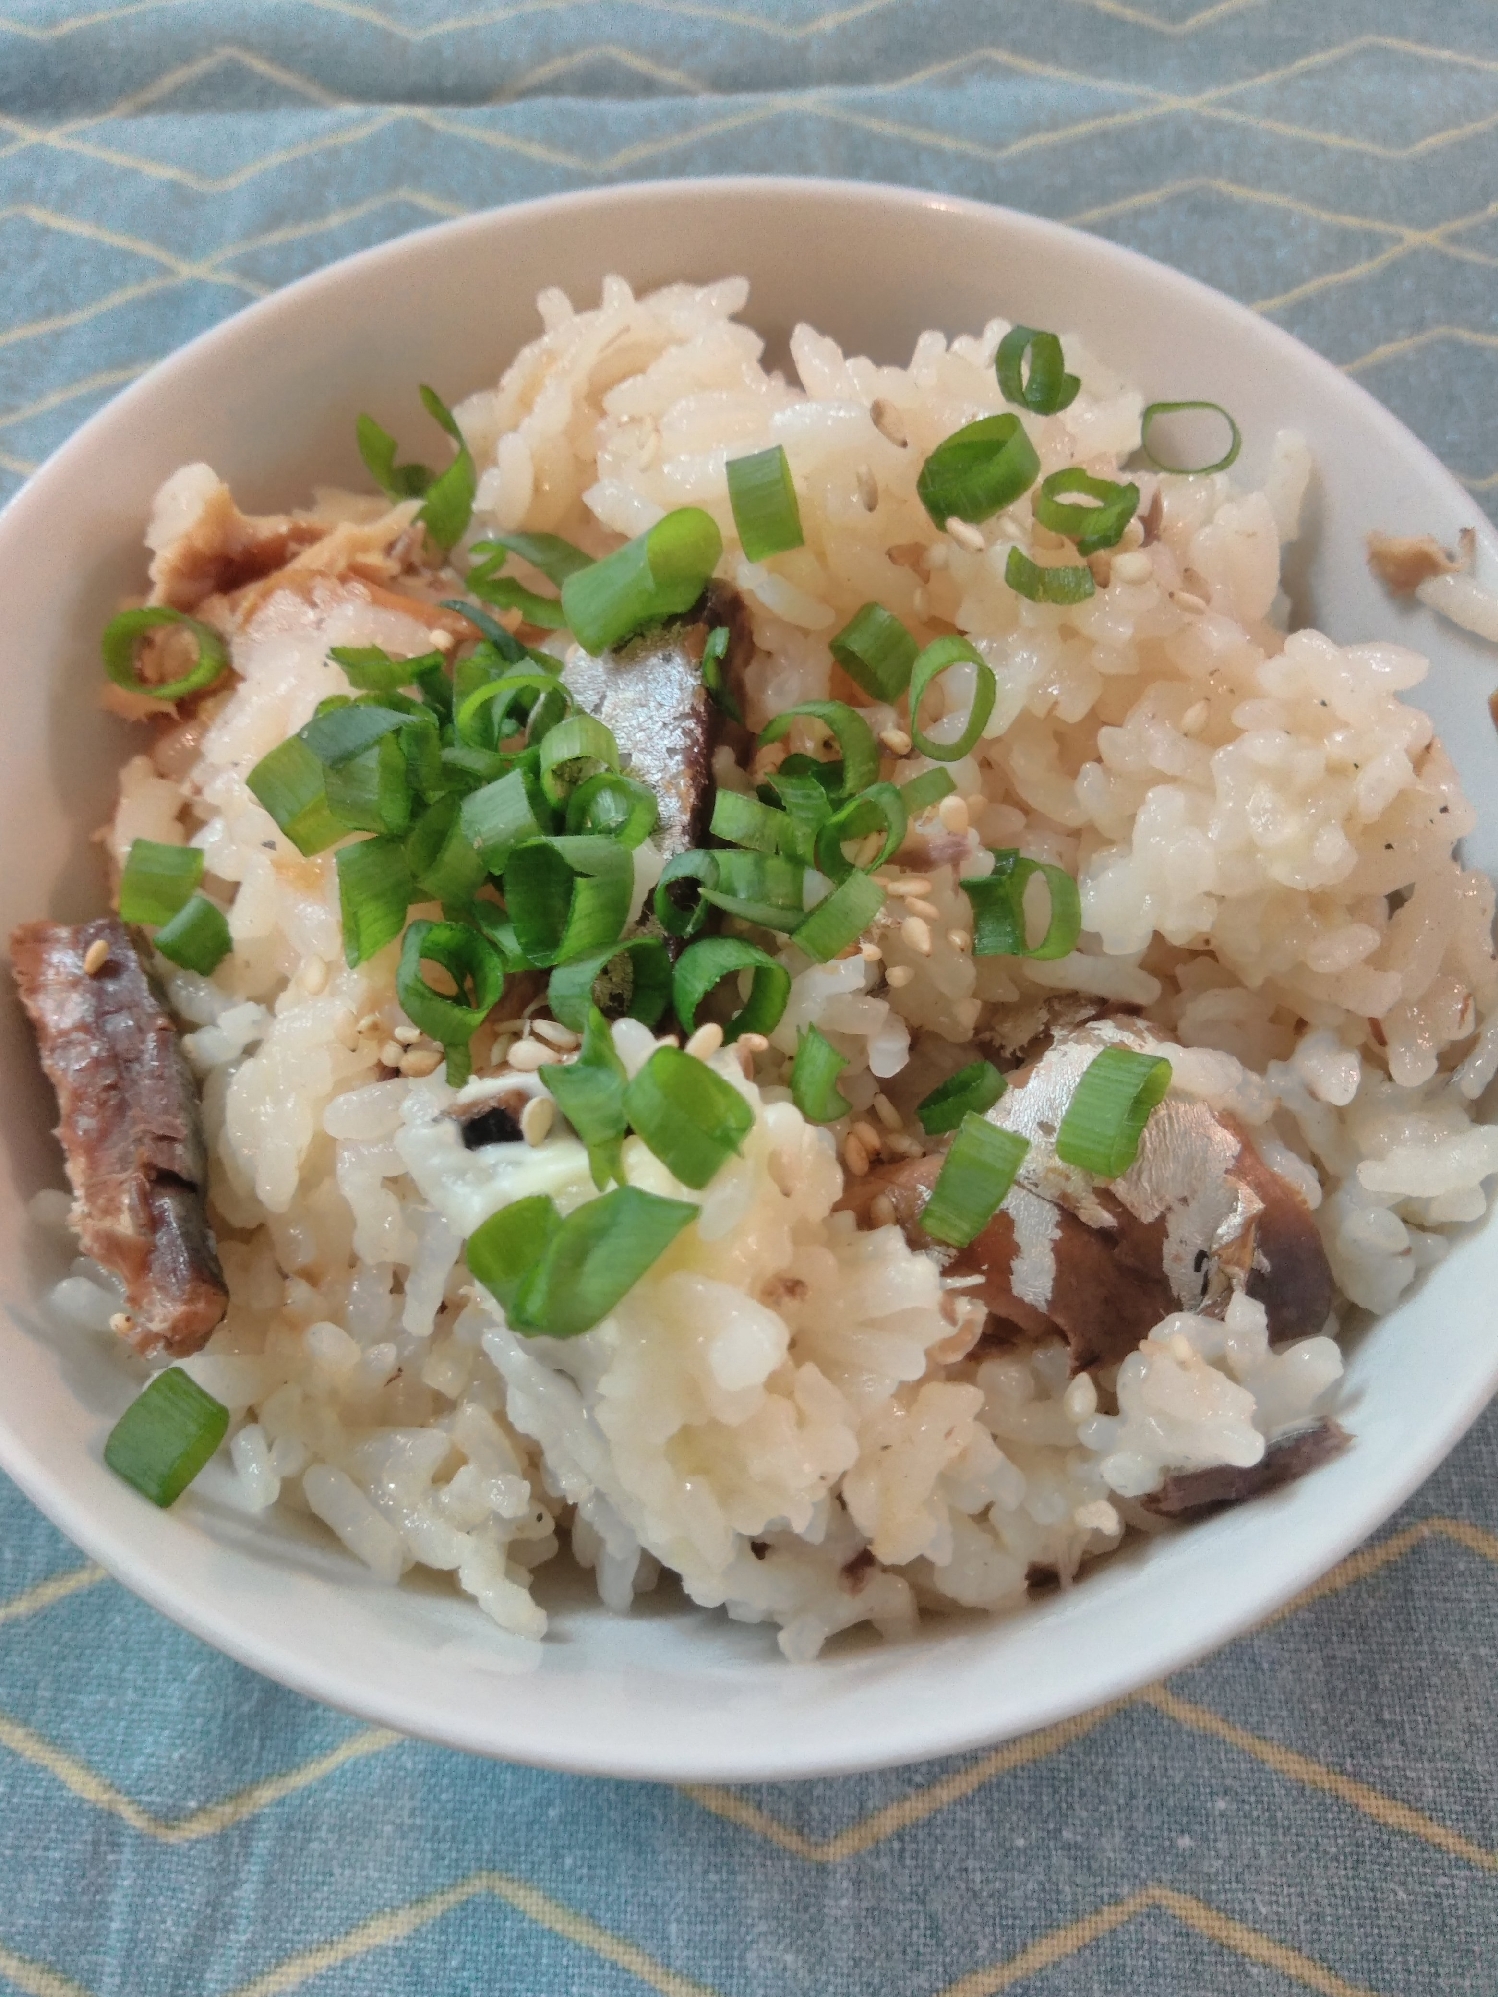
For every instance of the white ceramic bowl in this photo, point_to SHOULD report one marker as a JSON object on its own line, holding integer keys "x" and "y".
{"x": 270, "y": 399}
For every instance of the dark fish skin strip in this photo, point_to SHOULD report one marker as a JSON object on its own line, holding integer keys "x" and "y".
{"x": 1194, "y": 1493}
{"x": 131, "y": 1127}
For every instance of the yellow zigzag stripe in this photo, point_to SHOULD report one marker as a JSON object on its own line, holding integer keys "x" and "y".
{"x": 736, "y": 1808}
{"x": 1413, "y": 342}
{"x": 1485, "y": 484}
{"x": 106, "y": 378}
{"x": 393, "y": 1925}
{"x": 35, "y": 1979}
{"x": 1218, "y": 1927}
{"x": 84, "y": 1782}
{"x": 45, "y": 1593}
{"x": 22, "y": 467}
{"x": 1140, "y": 17}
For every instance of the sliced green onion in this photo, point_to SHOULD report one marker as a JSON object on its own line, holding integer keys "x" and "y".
{"x": 1105, "y": 1118}
{"x": 574, "y": 750}
{"x": 158, "y": 880}
{"x": 998, "y": 903}
{"x": 496, "y": 928}
{"x": 197, "y": 937}
{"x": 937, "y": 657}
{"x": 714, "y": 658}
{"x": 978, "y": 471}
{"x": 292, "y": 785}
{"x": 975, "y": 1177}
{"x": 557, "y": 1278}
{"x": 468, "y": 770}
{"x": 375, "y": 889}
{"x": 433, "y": 682}
{"x": 441, "y": 855}
{"x": 1171, "y": 408}
{"x": 840, "y": 919}
{"x": 422, "y": 744}
{"x": 1047, "y": 585}
{"x": 505, "y": 643}
{"x": 759, "y": 887}
{"x": 590, "y": 1094}
{"x": 969, "y": 1092}
{"x": 659, "y": 574}
{"x": 929, "y": 788}
{"x": 371, "y": 669}
{"x": 814, "y": 1074}
{"x": 496, "y": 819}
{"x": 378, "y": 449}
{"x": 678, "y": 904}
{"x": 763, "y": 498}
{"x": 448, "y": 505}
{"x": 876, "y": 650}
{"x": 371, "y": 792}
{"x": 687, "y": 1115}
{"x": 508, "y": 594}
{"x": 612, "y": 806}
{"x": 880, "y": 808}
{"x": 630, "y": 980}
{"x": 744, "y": 821}
{"x": 474, "y": 967}
{"x": 703, "y": 966}
{"x": 341, "y": 733}
{"x": 165, "y": 1436}
{"x": 855, "y": 738}
{"x": 1048, "y": 388}
{"x": 499, "y": 708}
{"x": 568, "y": 898}
{"x": 555, "y": 558}
{"x": 118, "y": 647}
{"x": 828, "y": 775}
{"x": 1091, "y": 527}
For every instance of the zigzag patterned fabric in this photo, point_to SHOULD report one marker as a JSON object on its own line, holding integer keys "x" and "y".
{"x": 1313, "y": 1809}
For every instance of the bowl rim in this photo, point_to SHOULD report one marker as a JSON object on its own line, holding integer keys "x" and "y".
{"x": 280, "y": 1659}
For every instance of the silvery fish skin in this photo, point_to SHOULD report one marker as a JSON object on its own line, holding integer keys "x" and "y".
{"x": 1101, "y": 1262}
{"x": 650, "y": 695}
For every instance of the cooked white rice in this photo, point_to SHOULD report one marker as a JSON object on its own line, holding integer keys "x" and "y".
{"x": 786, "y": 1411}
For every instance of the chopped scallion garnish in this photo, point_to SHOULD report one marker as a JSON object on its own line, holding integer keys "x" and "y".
{"x": 1069, "y": 584}
{"x": 590, "y": 1094}
{"x": 473, "y": 966}
{"x": 855, "y": 738}
{"x": 568, "y": 898}
{"x": 118, "y": 646}
{"x": 744, "y": 821}
{"x": 929, "y": 788}
{"x": 158, "y": 880}
{"x": 1091, "y": 527}
{"x": 197, "y": 937}
{"x": 292, "y": 785}
{"x": 814, "y": 1074}
{"x": 935, "y": 660}
{"x": 881, "y": 808}
{"x": 448, "y": 506}
{"x": 763, "y": 498}
{"x": 678, "y": 904}
{"x": 975, "y": 1178}
{"x": 1047, "y": 388}
{"x": 714, "y": 658}
{"x": 375, "y": 889}
{"x": 629, "y": 980}
{"x": 1112, "y": 1103}
{"x": 1157, "y": 409}
{"x": 165, "y": 1436}
{"x": 558, "y": 1277}
{"x": 371, "y": 792}
{"x": 612, "y": 806}
{"x": 441, "y": 855}
{"x": 691, "y": 1118}
{"x": 555, "y": 558}
{"x": 574, "y": 750}
{"x": 971, "y": 1091}
{"x": 659, "y": 574}
{"x": 840, "y": 919}
{"x": 875, "y": 649}
{"x": 998, "y": 904}
{"x": 701, "y": 967}
{"x": 978, "y": 471}
{"x": 370, "y": 668}
{"x": 501, "y": 815}
{"x": 378, "y": 449}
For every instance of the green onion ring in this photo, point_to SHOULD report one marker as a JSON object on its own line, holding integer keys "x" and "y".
{"x": 854, "y": 737}
{"x": 1049, "y": 388}
{"x": 1190, "y": 471}
{"x": 690, "y": 1117}
{"x": 814, "y": 1074}
{"x": 158, "y": 880}
{"x": 881, "y": 807}
{"x": 763, "y": 498}
{"x": 612, "y": 806}
{"x": 978, "y": 470}
{"x": 572, "y": 750}
{"x": 703, "y": 966}
{"x": 840, "y": 918}
{"x": 998, "y": 904}
{"x": 875, "y": 649}
{"x": 974, "y": 1181}
{"x": 1105, "y": 1118}
{"x": 676, "y": 918}
{"x": 165, "y": 1436}
{"x": 117, "y": 644}
{"x": 937, "y": 657}
{"x": 1047, "y": 585}
{"x": 557, "y": 1277}
{"x": 969, "y": 1092}
{"x": 572, "y": 995}
{"x": 472, "y": 963}
{"x": 1091, "y": 527}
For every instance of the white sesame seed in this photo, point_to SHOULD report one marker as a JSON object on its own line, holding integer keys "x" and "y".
{"x": 960, "y": 940}
{"x": 553, "y": 1031}
{"x": 898, "y": 976}
{"x": 706, "y": 1041}
{"x": 870, "y": 953}
{"x": 406, "y": 1035}
{"x": 915, "y": 935}
{"x": 882, "y": 1210}
{"x": 868, "y": 848}
{"x": 1195, "y": 719}
{"x": 898, "y": 1145}
{"x": 121, "y": 1323}
{"x": 95, "y": 957}
{"x": 1100, "y": 566}
{"x": 966, "y": 1011}
{"x": 868, "y": 489}
{"x": 928, "y": 909}
{"x": 314, "y": 976}
{"x": 1132, "y": 566}
{"x": 1132, "y": 537}
{"x": 528, "y": 1055}
{"x": 371, "y": 1023}
{"x": 920, "y": 602}
{"x": 536, "y": 1119}
{"x": 421, "y": 1061}
{"x": 953, "y": 813}
{"x": 895, "y": 740}
{"x": 886, "y": 1112}
{"x": 889, "y": 422}
{"x": 1183, "y": 599}
{"x": 855, "y": 1157}
{"x": 965, "y": 534}
{"x": 442, "y": 641}
{"x": 392, "y": 1053}
{"x": 752, "y": 1043}
{"x": 1080, "y": 1398}
{"x": 910, "y": 884}
{"x": 867, "y": 1136}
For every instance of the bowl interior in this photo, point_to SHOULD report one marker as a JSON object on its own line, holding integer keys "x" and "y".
{"x": 270, "y": 400}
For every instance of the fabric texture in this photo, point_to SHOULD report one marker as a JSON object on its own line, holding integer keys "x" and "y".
{"x": 1312, "y": 1809}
